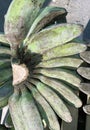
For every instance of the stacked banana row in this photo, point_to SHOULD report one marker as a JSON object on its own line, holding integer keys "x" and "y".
{"x": 6, "y": 88}
{"x": 84, "y": 71}
{"x": 52, "y": 57}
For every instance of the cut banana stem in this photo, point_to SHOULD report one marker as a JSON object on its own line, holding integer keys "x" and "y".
{"x": 63, "y": 89}
{"x": 15, "y": 110}
{"x": 32, "y": 117}
{"x": 46, "y": 111}
{"x": 53, "y": 36}
{"x": 84, "y": 72}
{"x": 17, "y": 23}
{"x": 45, "y": 16}
{"x": 20, "y": 73}
{"x": 86, "y": 56}
{"x": 86, "y": 109}
{"x": 5, "y": 92}
{"x": 63, "y": 74}
{"x": 64, "y": 50}
{"x": 5, "y": 74}
{"x": 67, "y": 62}
{"x": 54, "y": 100}
{"x": 85, "y": 88}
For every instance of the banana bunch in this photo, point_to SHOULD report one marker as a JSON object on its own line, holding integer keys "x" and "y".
{"x": 45, "y": 79}
{"x": 84, "y": 71}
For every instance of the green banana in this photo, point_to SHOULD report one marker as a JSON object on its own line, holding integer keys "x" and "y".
{"x": 86, "y": 109}
{"x": 5, "y": 74}
{"x": 5, "y": 50}
{"x": 56, "y": 34}
{"x": 64, "y": 50}
{"x": 5, "y": 64}
{"x": 3, "y": 39}
{"x": 15, "y": 110}
{"x": 45, "y": 16}
{"x": 63, "y": 89}
{"x": 85, "y": 88}
{"x": 65, "y": 75}
{"x": 32, "y": 117}
{"x": 85, "y": 56}
{"x": 19, "y": 18}
{"x": 46, "y": 111}
{"x": 5, "y": 92}
{"x": 57, "y": 104}
{"x": 84, "y": 72}
{"x": 66, "y": 62}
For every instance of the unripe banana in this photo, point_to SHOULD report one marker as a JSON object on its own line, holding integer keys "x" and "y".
{"x": 5, "y": 64}
{"x": 68, "y": 49}
{"x": 63, "y": 89}
{"x": 19, "y": 18}
{"x": 85, "y": 56}
{"x": 6, "y": 91}
{"x": 45, "y": 109}
{"x": 30, "y": 112}
{"x": 5, "y": 75}
{"x": 15, "y": 111}
{"x": 53, "y": 36}
{"x": 3, "y": 39}
{"x": 53, "y": 99}
{"x": 66, "y": 75}
{"x": 45, "y": 16}
{"x": 67, "y": 62}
